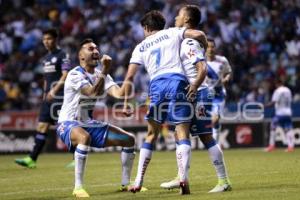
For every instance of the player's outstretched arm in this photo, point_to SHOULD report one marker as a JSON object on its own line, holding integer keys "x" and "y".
{"x": 197, "y": 35}
{"x": 125, "y": 90}
{"x": 98, "y": 88}
{"x": 51, "y": 94}
{"x": 127, "y": 86}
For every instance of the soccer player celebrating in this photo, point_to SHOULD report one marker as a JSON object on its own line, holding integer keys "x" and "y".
{"x": 192, "y": 55}
{"x": 282, "y": 99}
{"x": 222, "y": 68}
{"x": 159, "y": 54}
{"x": 56, "y": 65}
{"x": 84, "y": 84}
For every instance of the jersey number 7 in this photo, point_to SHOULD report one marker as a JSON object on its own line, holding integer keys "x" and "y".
{"x": 156, "y": 53}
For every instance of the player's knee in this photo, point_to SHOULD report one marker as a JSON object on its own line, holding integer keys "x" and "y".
{"x": 84, "y": 139}
{"x": 151, "y": 137}
{"x": 206, "y": 138}
{"x": 215, "y": 121}
{"x": 42, "y": 127}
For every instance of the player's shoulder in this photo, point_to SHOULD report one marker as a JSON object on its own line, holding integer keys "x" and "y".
{"x": 76, "y": 71}
{"x": 285, "y": 88}
{"x": 172, "y": 29}
{"x": 221, "y": 58}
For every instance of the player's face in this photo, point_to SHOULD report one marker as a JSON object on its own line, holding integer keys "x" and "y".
{"x": 180, "y": 18}
{"x": 90, "y": 54}
{"x": 210, "y": 48}
{"x": 49, "y": 42}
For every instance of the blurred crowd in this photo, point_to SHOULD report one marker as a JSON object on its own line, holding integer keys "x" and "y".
{"x": 260, "y": 38}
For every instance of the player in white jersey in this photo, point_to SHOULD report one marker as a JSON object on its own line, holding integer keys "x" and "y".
{"x": 159, "y": 54}
{"x": 282, "y": 99}
{"x": 76, "y": 128}
{"x": 221, "y": 66}
{"x": 192, "y": 55}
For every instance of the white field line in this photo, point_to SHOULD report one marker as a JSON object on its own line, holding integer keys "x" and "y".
{"x": 115, "y": 184}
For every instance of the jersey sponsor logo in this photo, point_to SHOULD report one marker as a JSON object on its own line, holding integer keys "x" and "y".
{"x": 243, "y": 134}
{"x": 49, "y": 68}
{"x": 54, "y": 59}
{"x": 191, "y": 53}
{"x": 145, "y": 46}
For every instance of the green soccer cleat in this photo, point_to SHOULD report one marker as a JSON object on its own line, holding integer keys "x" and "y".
{"x": 80, "y": 193}
{"x": 26, "y": 162}
{"x": 71, "y": 164}
{"x": 222, "y": 186}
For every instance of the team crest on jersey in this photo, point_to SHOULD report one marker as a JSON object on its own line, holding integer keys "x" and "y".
{"x": 61, "y": 128}
{"x": 191, "y": 53}
{"x": 54, "y": 59}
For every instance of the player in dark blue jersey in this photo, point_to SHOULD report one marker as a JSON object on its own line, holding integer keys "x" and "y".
{"x": 56, "y": 65}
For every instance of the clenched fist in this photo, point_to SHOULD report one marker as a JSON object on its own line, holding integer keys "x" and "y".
{"x": 106, "y": 62}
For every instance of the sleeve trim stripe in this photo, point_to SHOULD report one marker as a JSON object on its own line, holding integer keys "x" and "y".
{"x": 135, "y": 63}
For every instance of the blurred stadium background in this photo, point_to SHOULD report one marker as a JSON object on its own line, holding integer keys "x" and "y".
{"x": 260, "y": 38}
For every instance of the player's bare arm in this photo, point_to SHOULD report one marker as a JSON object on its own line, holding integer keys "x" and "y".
{"x": 127, "y": 86}
{"x": 201, "y": 74}
{"x": 51, "y": 94}
{"x": 98, "y": 88}
{"x": 226, "y": 78}
{"x": 197, "y": 35}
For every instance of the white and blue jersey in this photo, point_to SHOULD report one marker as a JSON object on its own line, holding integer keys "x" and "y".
{"x": 76, "y": 110}
{"x": 191, "y": 53}
{"x": 159, "y": 54}
{"x": 221, "y": 67}
{"x": 282, "y": 97}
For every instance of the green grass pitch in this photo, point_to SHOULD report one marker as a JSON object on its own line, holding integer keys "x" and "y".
{"x": 254, "y": 175}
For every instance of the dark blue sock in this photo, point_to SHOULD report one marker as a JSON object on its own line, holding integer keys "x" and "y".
{"x": 39, "y": 143}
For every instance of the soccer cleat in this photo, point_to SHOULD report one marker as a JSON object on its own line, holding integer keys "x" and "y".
{"x": 175, "y": 183}
{"x": 184, "y": 188}
{"x": 71, "y": 164}
{"x": 134, "y": 189}
{"x": 80, "y": 193}
{"x": 270, "y": 148}
{"x": 26, "y": 162}
{"x": 222, "y": 186}
{"x": 125, "y": 188}
{"x": 289, "y": 149}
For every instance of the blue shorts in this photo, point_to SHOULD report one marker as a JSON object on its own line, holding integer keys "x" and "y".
{"x": 168, "y": 100}
{"x": 97, "y": 130}
{"x": 49, "y": 111}
{"x": 283, "y": 121}
{"x": 201, "y": 123}
{"x": 217, "y": 105}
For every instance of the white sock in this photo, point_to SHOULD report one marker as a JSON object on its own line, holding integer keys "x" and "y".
{"x": 272, "y": 138}
{"x": 80, "y": 157}
{"x": 127, "y": 158}
{"x": 183, "y": 159}
{"x": 217, "y": 159}
{"x": 144, "y": 160}
{"x": 216, "y": 132}
{"x": 290, "y": 138}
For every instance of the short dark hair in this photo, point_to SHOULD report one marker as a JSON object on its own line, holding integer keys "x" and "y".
{"x": 210, "y": 39}
{"x": 194, "y": 13}
{"x": 85, "y": 41}
{"x": 51, "y": 31}
{"x": 154, "y": 20}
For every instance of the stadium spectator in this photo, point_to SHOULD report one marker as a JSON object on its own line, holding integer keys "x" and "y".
{"x": 259, "y": 38}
